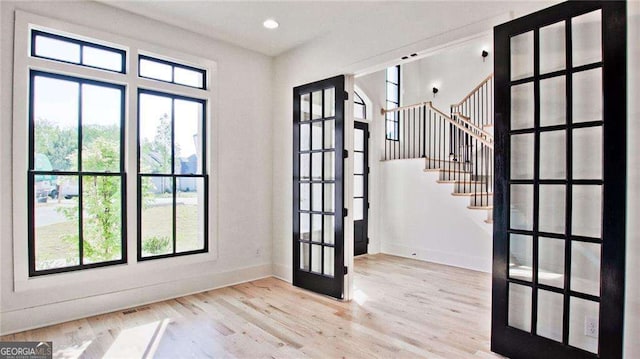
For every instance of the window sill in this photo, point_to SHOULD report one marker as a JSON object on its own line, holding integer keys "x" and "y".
{"x": 153, "y": 271}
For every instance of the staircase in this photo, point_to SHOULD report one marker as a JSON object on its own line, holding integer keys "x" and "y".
{"x": 458, "y": 145}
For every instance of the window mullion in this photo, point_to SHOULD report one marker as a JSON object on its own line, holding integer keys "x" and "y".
{"x": 81, "y": 54}
{"x": 43, "y": 64}
{"x": 80, "y": 178}
{"x": 173, "y": 170}
{"x": 174, "y": 213}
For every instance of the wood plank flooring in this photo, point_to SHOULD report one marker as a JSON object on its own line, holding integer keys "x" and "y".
{"x": 403, "y": 308}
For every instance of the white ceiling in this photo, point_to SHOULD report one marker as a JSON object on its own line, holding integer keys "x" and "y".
{"x": 240, "y": 22}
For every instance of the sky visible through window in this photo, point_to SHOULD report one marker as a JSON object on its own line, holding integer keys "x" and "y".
{"x": 57, "y": 102}
{"x": 57, "y": 49}
{"x": 188, "y": 117}
{"x": 69, "y": 51}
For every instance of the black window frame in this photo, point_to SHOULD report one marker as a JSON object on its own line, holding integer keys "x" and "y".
{"x": 82, "y": 44}
{"x": 79, "y": 173}
{"x": 173, "y": 65}
{"x": 359, "y": 101}
{"x": 395, "y": 119}
{"x": 204, "y": 175}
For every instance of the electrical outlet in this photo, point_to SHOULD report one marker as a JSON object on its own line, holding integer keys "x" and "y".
{"x": 591, "y": 327}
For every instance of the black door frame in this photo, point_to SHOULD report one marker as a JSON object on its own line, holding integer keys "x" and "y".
{"x": 514, "y": 342}
{"x": 359, "y": 249}
{"x": 319, "y": 283}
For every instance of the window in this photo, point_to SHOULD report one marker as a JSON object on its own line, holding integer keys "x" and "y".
{"x": 76, "y": 173}
{"x": 392, "y": 119}
{"x": 73, "y": 163}
{"x": 172, "y": 72}
{"x": 172, "y": 187}
{"x": 359, "y": 107}
{"x": 65, "y": 49}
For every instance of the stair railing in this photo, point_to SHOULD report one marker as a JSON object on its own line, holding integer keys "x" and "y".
{"x": 459, "y": 149}
{"x": 477, "y": 106}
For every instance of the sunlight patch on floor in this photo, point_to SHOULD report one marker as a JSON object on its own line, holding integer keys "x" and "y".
{"x": 138, "y": 342}
{"x": 74, "y": 351}
{"x": 360, "y": 297}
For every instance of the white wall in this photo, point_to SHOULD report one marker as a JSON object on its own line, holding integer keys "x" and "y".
{"x": 373, "y": 86}
{"x": 632, "y": 304}
{"x": 455, "y": 71}
{"x": 244, "y": 178}
{"x": 421, "y": 219}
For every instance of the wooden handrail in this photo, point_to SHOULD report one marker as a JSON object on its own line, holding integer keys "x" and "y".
{"x": 461, "y": 127}
{"x": 398, "y": 109}
{"x": 468, "y": 122}
{"x": 486, "y": 139}
{"x": 473, "y": 91}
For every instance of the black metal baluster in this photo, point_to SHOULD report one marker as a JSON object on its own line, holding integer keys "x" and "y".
{"x": 441, "y": 136}
{"x": 454, "y": 149}
{"x": 413, "y": 133}
{"x": 403, "y": 141}
{"x": 410, "y": 135}
{"x": 484, "y": 107}
{"x": 432, "y": 152}
{"x": 419, "y": 132}
{"x": 387, "y": 147}
{"x": 491, "y": 104}
{"x": 424, "y": 133}
{"x": 429, "y": 153}
{"x": 396, "y": 134}
{"x": 451, "y": 148}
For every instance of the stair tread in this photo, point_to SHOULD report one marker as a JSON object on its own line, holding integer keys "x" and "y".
{"x": 445, "y": 170}
{"x": 472, "y": 194}
{"x": 480, "y": 207}
{"x": 435, "y": 160}
{"x": 458, "y": 181}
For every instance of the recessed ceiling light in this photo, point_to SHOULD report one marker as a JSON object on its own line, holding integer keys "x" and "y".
{"x": 270, "y": 24}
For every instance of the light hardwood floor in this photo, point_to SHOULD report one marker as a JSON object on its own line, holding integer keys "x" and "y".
{"x": 403, "y": 308}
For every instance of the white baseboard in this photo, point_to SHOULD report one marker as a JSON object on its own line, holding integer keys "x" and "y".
{"x": 55, "y": 313}
{"x": 476, "y": 263}
{"x": 283, "y": 272}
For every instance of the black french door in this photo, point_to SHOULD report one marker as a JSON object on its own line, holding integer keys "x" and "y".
{"x": 559, "y": 230}
{"x": 318, "y": 188}
{"x": 360, "y": 188}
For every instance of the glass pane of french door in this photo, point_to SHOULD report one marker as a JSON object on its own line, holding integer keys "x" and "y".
{"x": 360, "y": 187}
